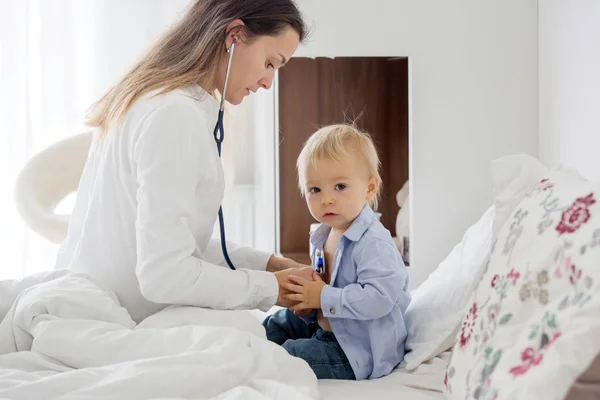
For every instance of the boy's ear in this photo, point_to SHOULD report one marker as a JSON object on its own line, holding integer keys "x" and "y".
{"x": 373, "y": 187}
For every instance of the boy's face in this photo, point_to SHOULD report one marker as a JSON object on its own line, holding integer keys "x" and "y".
{"x": 337, "y": 191}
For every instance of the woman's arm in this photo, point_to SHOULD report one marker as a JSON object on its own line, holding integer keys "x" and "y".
{"x": 176, "y": 165}
{"x": 243, "y": 257}
{"x": 247, "y": 257}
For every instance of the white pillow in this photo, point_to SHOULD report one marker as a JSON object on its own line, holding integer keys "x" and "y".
{"x": 437, "y": 305}
{"x": 434, "y": 315}
{"x": 513, "y": 177}
{"x": 532, "y": 326}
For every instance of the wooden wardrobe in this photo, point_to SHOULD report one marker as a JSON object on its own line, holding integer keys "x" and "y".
{"x": 322, "y": 91}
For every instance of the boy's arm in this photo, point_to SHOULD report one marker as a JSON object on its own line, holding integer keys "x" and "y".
{"x": 382, "y": 280}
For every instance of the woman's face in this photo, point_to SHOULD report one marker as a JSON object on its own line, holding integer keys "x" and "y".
{"x": 254, "y": 63}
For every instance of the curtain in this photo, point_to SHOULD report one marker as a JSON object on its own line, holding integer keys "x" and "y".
{"x": 56, "y": 58}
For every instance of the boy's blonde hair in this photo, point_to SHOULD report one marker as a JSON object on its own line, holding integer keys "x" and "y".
{"x": 335, "y": 142}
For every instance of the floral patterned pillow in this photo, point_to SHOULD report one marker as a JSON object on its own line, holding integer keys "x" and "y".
{"x": 533, "y": 324}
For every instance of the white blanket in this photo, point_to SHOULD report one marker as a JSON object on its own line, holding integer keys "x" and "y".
{"x": 69, "y": 339}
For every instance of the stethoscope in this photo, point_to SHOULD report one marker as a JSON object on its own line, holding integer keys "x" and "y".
{"x": 219, "y": 134}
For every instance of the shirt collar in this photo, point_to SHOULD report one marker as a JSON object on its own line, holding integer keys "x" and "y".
{"x": 358, "y": 227}
{"x": 360, "y": 224}
{"x": 198, "y": 93}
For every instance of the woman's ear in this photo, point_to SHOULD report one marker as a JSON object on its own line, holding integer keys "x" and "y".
{"x": 373, "y": 187}
{"x": 234, "y": 32}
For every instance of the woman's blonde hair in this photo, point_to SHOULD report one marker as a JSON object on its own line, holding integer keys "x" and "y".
{"x": 191, "y": 51}
{"x": 335, "y": 142}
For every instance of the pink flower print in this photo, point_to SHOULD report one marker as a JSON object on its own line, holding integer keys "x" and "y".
{"x": 554, "y": 338}
{"x": 570, "y": 269}
{"x": 514, "y": 275}
{"x": 576, "y": 215}
{"x": 467, "y": 326}
{"x": 530, "y": 357}
{"x": 495, "y": 280}
{"x": 544, "y": 185}
{"x": 493, "y": 311}
{"x": 566, "y": 266}
{"x": 574, "y": 274}
{"x": 446, "y": 378}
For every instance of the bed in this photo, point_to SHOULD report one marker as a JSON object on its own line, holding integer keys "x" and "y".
{"x": 423, "y": 383}
{"x": 64, "y": 337}
{"x": 67, "y": 338}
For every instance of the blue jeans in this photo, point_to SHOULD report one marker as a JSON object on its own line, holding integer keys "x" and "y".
{"x": 319, "y": 348}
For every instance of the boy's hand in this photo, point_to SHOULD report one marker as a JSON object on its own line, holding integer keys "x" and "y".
{"x": 283, "y": 280}
{"x": 306, "y": 293}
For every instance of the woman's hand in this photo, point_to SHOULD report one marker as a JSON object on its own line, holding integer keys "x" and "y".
{"x": 282, "y": 263}
{"x": 283, "y": 279}
{"x": 304, "y": 292}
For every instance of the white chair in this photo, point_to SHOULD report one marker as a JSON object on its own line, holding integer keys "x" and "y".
{"x": 46, "y": 180}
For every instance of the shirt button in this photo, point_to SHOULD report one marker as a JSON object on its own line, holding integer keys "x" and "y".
{"x": 332, "y": 310}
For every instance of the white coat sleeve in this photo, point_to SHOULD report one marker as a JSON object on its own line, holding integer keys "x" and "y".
{"x": 241, "y": 256}
{"x": 173, "y": 171}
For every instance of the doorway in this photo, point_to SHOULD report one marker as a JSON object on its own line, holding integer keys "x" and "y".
{"x": 322, "y": 91}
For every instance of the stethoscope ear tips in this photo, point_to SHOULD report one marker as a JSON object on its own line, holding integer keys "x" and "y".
{"x": 235, "y": 40}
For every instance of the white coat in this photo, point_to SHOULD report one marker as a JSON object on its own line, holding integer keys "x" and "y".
{"x": 145, "y": 210}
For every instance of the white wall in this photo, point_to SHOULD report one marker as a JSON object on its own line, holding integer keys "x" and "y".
{"x": 473, "y": 93}
{"x": 569, "y": 85}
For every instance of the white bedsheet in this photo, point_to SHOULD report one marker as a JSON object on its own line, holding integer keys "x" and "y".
{"x": 426, "y": 382}
{"x": 68, "y": 339}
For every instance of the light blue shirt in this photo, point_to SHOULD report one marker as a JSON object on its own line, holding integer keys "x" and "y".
{"x": 367, "y": 296}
